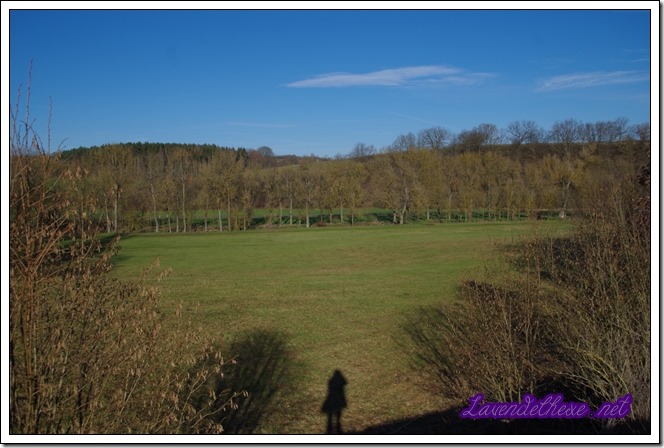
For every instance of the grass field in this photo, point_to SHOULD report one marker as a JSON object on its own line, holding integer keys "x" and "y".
{"x": 339, "y": 294}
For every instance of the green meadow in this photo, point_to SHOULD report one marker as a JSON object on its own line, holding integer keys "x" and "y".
{"x": 338, "y": 295}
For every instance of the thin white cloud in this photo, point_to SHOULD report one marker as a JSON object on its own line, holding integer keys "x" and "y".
{"x": 591, "y": 79}
{"x": 463, "y": 79}
{"x": 404, "y": 76}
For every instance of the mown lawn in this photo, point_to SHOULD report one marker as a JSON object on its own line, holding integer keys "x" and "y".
{"x": 339, "y": 294}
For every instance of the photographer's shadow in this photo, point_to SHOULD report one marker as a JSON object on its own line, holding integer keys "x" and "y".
{"x": 335, "y": 402}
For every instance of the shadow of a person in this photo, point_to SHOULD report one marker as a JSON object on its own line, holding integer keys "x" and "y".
{"x": 335, "y": 402}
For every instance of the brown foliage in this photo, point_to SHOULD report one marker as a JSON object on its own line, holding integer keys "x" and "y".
{"x": 572, "y": 314}
{"x": 603, "y": 320}
{"x": 490, "y": 341}
{"x": 89, "y": 353}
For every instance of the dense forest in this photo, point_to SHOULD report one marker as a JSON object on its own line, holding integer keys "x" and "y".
{"x": 519, "y": 172}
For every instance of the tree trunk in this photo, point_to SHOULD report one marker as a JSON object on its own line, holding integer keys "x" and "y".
{"x": 228, "y": 217}
{"x": 566, "y": 188}
{"x": 184, "y": 213}
{"x": 405, "y": 205}
{"x": 154, "y": 208}
{"x": 115, "y": 207}
{"x": 221, "y": 224}
{"x": 307, "y": 216}
{"x": 290, "y": 219}
{"x": 449, "y": 204}
{"x": 108, "y": 218}
{"x": 402, "y": 213}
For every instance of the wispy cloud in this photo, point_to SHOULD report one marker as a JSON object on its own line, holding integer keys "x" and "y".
{"x": 394, "y": 77}
{"x": 591, "y": 79}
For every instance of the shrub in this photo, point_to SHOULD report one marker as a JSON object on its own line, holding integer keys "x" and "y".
{"x": 571, "y": 314}
{"x": 87, "y": 353}
{"x": 489, "y": 341}
{"x": 602, "y": 275}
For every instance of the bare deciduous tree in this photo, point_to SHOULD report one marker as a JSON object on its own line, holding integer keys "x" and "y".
{"x": 566, "y": 132}
{"x": 404, "y": 142}
{"x": 265, "y": 151}
{"x": 435, "y": 138}
{"x": 362, "y": 150}
{"x": 481, "y": 136}
{"x": 153, "y": 172}
{"x": 524, "y": 132}
{"x": 642, "y": 132}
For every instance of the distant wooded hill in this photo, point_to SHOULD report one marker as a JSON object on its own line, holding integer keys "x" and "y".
{"x": 482, "y": 173}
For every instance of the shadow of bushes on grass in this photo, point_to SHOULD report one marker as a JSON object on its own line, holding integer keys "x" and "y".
{"x": 262, "y": 371}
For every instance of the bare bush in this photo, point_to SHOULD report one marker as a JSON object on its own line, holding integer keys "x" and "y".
{"x": 88, "y": 353}
{"x": 573, "y": 314}
{"x": 490, "y": 341}
{"x": 602, "y": 322}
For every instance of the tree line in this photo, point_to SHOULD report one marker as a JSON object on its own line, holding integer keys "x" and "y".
{"x": 473, "y": 175}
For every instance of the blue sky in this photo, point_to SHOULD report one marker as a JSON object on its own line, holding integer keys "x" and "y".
{"x": 319, "y": 82}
